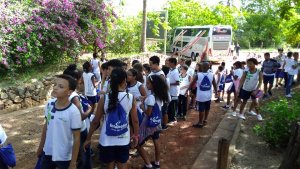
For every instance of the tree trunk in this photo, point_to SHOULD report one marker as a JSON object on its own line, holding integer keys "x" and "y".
{"x": 144, "y": 27}
{"x": 292, "y": 154}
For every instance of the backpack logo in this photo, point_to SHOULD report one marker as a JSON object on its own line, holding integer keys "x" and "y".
{"x": 155, "y": 118}
{"x": 116, "y": 123}
{"x": 205, "y": 84}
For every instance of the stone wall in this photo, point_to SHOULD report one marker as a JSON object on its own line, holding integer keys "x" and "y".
{"x": 25, "y": 96}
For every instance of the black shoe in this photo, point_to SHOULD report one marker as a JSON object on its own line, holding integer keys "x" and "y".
{"x": 145, "y": 167}
{"x": 155, "y": 165}
{"x": 164, "y": 127}
{"x": 226, "y": 107}
{"x": 198, "y": 125}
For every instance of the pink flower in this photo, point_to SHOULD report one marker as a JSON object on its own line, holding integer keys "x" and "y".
{"x": 19, "y": 49}
{"x": 29, "y": 61}
{"x": 29, "y": 29}
{"x": 102, "y": 6}
{"x": 18, "y": 62}
{"x": 99, "y": 43}
{"x": 112, "y": 41}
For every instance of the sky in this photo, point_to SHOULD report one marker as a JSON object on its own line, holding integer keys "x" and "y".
{"x": 133, "y": 7}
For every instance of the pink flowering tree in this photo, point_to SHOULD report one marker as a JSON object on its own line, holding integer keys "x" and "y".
{"x": 48, "y": 30}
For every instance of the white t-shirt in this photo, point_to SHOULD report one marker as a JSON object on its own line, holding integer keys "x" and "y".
{"x": 150, "y": 101}
{"x": 289, "y": 62}
{"x": 159, "y": 73}
{"x": 74, "y": 94}
{"x": 293, "y": 71}
{"x": 204, "y": 96}
{"x": 190, "y": 71}
{"x": 251, "y": 81}
{"x": 123, "y": 139}
{"x": 59, "y": 136}
{"x": 184, "y": 81}
{"x": 238, "y": 72}
{"x": 89, "y": 88}
{"x": 135, "y": 91}
{"x": 174, "y": 77}
{"x": 281, "y": 60}
{"x": 95, "y": 64}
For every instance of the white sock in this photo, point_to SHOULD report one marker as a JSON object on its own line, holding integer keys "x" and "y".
{"x": 157, "y": 162}
{"x": 149, "y": 166}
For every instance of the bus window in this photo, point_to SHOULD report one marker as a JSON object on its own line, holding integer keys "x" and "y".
{"x": 188, "y": 32}
{"x": 195, "y": 31}
{"x": 177, "y": 31}
{"x": 221, "y": 31}
{"x": 206, "y": 33}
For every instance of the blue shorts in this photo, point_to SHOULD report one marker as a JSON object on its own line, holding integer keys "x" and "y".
{"x": 92, "y": 99}
{"x": 47, "y": 163}
{"x": 245, "y": 95}
{"x": 204, "y": 106}
{"x": 221, "y": 87}
{"x": 110, "y": 154}
{"x": 279, "y": 73}
{"x": 268, "y": 79}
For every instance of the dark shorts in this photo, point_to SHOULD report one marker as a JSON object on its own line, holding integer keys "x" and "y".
{"x": 92, "y": 99}
{"x": 164, "y": 109}
{"x": 279, "y": 74}
{"x": 204, "y": 106}
{"x": 221, "y": 87}
{"x": 110, "y": 154}
{"x": 155, "y": 136}
{"x": 231, "y": 89}
{"x": 268, "y": 79}
{"x": 245, "y": 95}
{"x": 47, "y": 163}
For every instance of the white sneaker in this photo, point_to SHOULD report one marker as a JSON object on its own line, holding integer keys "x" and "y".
{"x": 288, "y": 96}
{"x": 233, "y": 114}
{"x": 259, "y": 118}
{"x": 252, "y": 113}
{"x": 241, "y": 116}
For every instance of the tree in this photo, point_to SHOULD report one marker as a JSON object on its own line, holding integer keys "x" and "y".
{"x": 144, "y": 27}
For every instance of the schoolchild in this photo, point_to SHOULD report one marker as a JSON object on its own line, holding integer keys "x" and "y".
{"x": 95, "y": 62}
{"x": 184, "y": 80}
{"x": 62, "y": 127}
{"x": 115, "y": 109}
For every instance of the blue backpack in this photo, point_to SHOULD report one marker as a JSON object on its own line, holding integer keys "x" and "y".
{"x": 116, "y": 123}
{"x": 7, "y": 155}
{"x": 222, "y": 81}
{"x": 155, "y": 119}
{"x": 228, "y": 79}
{"x": 205, "y": 84}
{"x": 84, "y": 103}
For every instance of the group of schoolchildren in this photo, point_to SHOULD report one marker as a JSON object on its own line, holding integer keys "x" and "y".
{"x": 131, "y": 106}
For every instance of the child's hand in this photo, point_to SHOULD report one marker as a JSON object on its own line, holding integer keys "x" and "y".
{"x": 72, "y": 165}
{"x": 86, "y": 144}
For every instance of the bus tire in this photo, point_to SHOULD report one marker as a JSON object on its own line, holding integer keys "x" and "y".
{"x": 193, "y": 57}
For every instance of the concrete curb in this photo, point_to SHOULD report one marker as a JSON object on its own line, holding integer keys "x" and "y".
{"x": 229, "y": 129}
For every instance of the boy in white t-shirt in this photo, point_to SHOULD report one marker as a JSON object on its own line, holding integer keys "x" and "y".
{"x": 174, "y": 89}
{"x": 205, "y": 81}
{"x": 292, "y": 71}
{"x": 95, "y": 62}
{"x": 62, "y": 127}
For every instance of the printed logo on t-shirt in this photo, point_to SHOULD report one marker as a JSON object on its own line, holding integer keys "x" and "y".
{"x": 205, "y": 84}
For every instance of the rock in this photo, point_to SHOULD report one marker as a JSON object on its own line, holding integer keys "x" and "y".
{"x": 8, "y": 103}
{"x": 11, "y": 96}
{"x": 28, "y": 102}
{"x": 47, "y": 83}
{"x": 28, "y": 94}
{"x": 14, "y": 107}
{"x": 3, "y": 96}
{"x": 1, "y": 105}
{"x": 36, "y": 98}
{"x": 36, "y": 92}
{"x": 21, "y": 91}
{"x": 33, "y": 80}
{"x": 18, "y": 99}
{"x": 43, "y": 94}
{"x": 31, "y": 87}
{"x": 39, "y": 85}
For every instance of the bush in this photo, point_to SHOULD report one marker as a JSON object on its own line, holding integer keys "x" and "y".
{"x": 276, "y": 128}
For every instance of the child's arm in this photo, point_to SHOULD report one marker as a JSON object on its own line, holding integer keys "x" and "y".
{"x": 77, "y": 103}
{"x": 95, "y": 83}
{"x": 135, "y": 123}
{"x": 243, "y": 78}
{"x": 95, "y": 122}
{"x": 143, "y": 92}
{"x": 75, "y": 151}
{"x": 87, "y": 113}
{"x": 219, "y": 78}
{"x": 215, "y": 85}
{"x": 42, "y": 142}
{"x": 259, "y": 81}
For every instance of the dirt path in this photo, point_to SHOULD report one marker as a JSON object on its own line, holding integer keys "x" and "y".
{"x": 180, "y": 145}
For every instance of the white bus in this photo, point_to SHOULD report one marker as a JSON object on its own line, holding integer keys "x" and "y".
{"x": 207, "y": 42}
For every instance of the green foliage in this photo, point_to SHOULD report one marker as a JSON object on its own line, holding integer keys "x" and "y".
{"x": 126, "y": 36}
{"x": 279, "y": 116}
